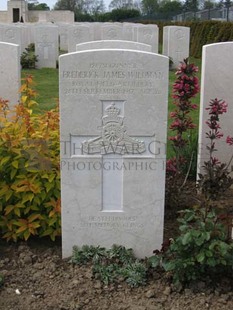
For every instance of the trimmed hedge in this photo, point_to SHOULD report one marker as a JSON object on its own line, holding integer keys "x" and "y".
{"x": 201, "y": 33}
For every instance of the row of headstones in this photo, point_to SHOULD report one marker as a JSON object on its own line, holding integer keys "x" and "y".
{"x": 50, "y": 38}
{"x": 113, "y": 105}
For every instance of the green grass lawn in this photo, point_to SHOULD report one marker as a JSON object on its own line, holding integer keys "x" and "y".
{"x": 46, "y": 85}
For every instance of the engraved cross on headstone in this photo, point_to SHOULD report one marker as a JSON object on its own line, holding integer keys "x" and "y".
{"x": 112, "y": 146}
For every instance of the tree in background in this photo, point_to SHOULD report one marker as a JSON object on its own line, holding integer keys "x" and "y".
{"x": 36, "y": 6}
{"x": 94, "y": 10}
{"x": 124, "y": 9}
{"x": 223, "y": 4}
{"x": 209, "y": 4}
{"x": 169, "y": 8}
{"x": 84, "y": 10}
{"x": 191, "y": 5}
{"x": 227, "y": 4}
{"x": 70, "y": 5}
{"x": 93, "y": 7}
{"x": 150, "y": 7}
{"x": 124, "y": 4}
{"x": 118, "y": 15}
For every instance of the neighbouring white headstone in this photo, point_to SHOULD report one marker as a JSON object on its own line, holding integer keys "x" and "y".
{"x": 111, "y": 31}
{"x": 113, "y": 44}
{"x": 128, "y": 31}
{"x": 25, "y": 36}
{"x": 176, "y": 43}
{"x": 63, "y": 36}
{"x": 165, "y": 40}
{"x": 10, "y": 72}
{"x": 86, "y": 32}
{"x": 31, "y": 31}
{"x": 11, "y": 34}
{"x": 79, "y": 34}
{"x": 113, "y": 106}
{"x": 46, "y": 45}
{"x": 216, "y": 82}
{"x": 149, "y": 34}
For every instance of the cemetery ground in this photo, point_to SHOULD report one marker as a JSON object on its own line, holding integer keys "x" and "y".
{"x": 36, "y": 277}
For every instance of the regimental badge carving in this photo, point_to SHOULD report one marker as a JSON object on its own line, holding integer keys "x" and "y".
{"x": 114, "y": 138}
{"x": 10, "y": 34}
{"x": 179, "y": 33}
{"x": 81, "y": 32}
{"x": 147, "y": 33}
{"x": 111, "y": 33}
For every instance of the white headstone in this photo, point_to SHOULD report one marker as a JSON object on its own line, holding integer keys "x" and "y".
{"x": 176, "y": 43}
{"x": 31, "y": 31}
{"x": 86, "y": 32}
{"x": 216, "y": 82}
{"x": 149, "y": 34}
{"x": 97, "y": 30}
{"x": 10, "y": 72}
{"x": 63, "y": 36}
{"x": 112, "y": 31}
{"x": 46, "y": 45}
{"x": 128, "y": 31}
{"x": 113, "y": 106}
{"x": 113, "y": 44}
{"x": 25, "y": 36}
{"x": 78, "y": 34}
{"x": 165, "y": 40}
{"x": 11, "y": 34}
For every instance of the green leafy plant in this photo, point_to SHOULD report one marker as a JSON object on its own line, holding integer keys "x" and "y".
{"x": 28, "y": 58}
{"x": 87, "y": 253}
{"x": 111, "y": 265}
{"x": 121, "y": 254}
{"x": 201, "y": 251}
{"x": 106, "y": 273}
{"x": 204, "y": 248}
{"x": 135, "y": 274}
{"x": 29, "y": 169}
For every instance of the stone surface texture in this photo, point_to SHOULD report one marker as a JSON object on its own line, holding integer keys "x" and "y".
{"x": 11, "y": 34}
{"x": 113, "y": 107}
{"x": 86, "y": 32}
{"x": 46, "y": 45}
{"x": 113, "y": 44}
{"x": 10, "y": 72}
{"x": 216, "y": 82}
{"x": 176, "y": 41}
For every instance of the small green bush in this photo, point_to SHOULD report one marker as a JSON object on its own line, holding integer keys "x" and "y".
{"x": 201, "y": 251}
{"x": 28, "y": 58}
{"x": 111, "y": 265}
